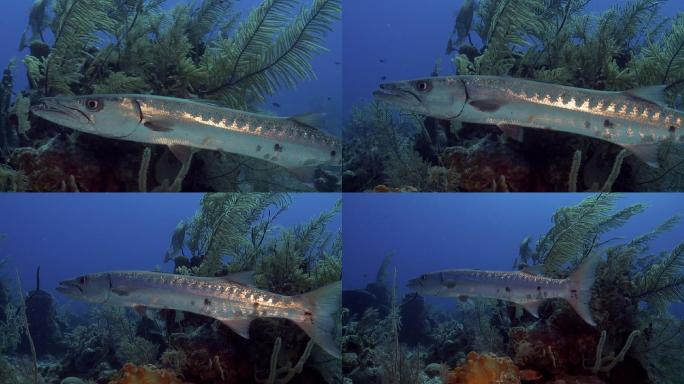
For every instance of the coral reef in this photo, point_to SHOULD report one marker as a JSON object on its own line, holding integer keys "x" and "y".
{"x": 113, "y": 46}
{"x": 633, "y": 341}
{"x": 628, "y": 46}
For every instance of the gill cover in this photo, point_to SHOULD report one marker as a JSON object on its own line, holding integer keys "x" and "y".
{"x": 103, "y": 115}
{"x": 438, "y": 97}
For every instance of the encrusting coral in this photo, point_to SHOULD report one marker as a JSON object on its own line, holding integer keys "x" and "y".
{"x": 485, "y": 369}
{"x": 145, "y": 374}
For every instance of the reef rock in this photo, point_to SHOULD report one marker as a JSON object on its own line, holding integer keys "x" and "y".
{"x": 485, "y": 369}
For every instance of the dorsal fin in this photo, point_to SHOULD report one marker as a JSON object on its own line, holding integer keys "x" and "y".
{"x": 244, "y": 278}
{"x": 313, "y": 120}
{"x": 653, "y": 94}
{"x": 533, "y": 270}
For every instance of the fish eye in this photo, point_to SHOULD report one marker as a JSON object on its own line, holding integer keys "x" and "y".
{"x": 93, "y": 105}
{"x": 423, "y": 85}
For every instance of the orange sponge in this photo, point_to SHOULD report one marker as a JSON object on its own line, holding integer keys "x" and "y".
{"x": 145, "y": 374}
{"x": 485, "y": 369}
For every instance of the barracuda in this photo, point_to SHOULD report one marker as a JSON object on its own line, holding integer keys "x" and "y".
{"x": 230, "y": 300}
{"x": 637, "y": 119}
{"x": 526, "y": 289}
{"x": 292, "y": 142}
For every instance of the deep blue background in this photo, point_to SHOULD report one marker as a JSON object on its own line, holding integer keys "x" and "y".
{"x": 429, "y": 232}
{"x": 409, "y": 35}
{"x": 68, "y": 235}
{"x": 308, "y": 97}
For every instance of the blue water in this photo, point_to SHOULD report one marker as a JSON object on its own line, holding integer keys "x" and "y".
{"x": 431, "y": 232}
{"x": 68, "y": 235}
{"x": 409, "y": 36}
{"x": 308, "y": 97}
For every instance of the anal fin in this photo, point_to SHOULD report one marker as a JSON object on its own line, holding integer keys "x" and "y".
{"x": 182, "y": 152}
{"x": 515, "y": 132}
{"x": 532, "y": 307}
{"x": 647, "y": 152}
{"x": 239, "y": 326}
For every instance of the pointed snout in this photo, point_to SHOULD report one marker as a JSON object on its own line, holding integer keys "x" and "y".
{"x": 69, "y": 288}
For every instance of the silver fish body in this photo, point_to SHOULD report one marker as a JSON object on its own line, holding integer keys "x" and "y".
{"x": 525, "y": 289}
{"x": 636, "y": 120}
{"x": 234, "y": 303}
{"x": 292, "y": 142}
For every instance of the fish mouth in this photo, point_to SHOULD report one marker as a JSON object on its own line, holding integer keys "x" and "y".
{"x": 392, "y": 93}
{"x": 69, "y": 288}
{"x": 51, "y": 109}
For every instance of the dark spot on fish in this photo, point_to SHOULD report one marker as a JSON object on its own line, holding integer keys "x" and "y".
{"x": 207, "y": 302}
{"x": 587, "y": 125}
{"x": 278, "y": 148}
{"x": 486, "y": 105}
{"x": 256, "y": 305}
{"x": 538, "y": 288}
{"x": 119, "y": 292}
{"x": 333, "y": 153}
{"x": 508, "y": 289}
{"x": 276, "y": 105}
{"x": 449, "y": 284}
{"x": 608, "y": 124}
{"x": 258, "y": 148}
{"x": 307, "y": 313}
{"x": 672, "y": 128}
{"x": 157, "y": 126}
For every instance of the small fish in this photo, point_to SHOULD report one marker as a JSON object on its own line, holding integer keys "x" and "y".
{"x": 464, "y": 21}
{"x": 230, "y": 299}
{"x": 637, "y": 120}
{"x": 276, "y": 105}
{"x": 177, "y": 240}
{"x": 292, "y": 142}
{"x": 522, "y": 288}
{"x": 337, "y": 63}
{"x": 382, "y": 60}
{"x": 329, "y": 98}
{"x": 383, "y": 78}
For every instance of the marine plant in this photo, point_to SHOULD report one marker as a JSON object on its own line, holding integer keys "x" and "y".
{"x": 634, "y": 287}
{"x": 233, "y": 232}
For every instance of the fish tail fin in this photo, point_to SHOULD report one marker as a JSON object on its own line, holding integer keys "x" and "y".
{"x": 581, "y": 282}
{"x": 324, "y": 303}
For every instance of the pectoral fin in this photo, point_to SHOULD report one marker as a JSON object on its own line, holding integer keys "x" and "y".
{"x": 239, "y": 326}
{"x": 532, "y": 307}
{"x": 487, "y": 105}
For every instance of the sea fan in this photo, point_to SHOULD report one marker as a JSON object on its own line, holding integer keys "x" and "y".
{"x": 663, "y": 282}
